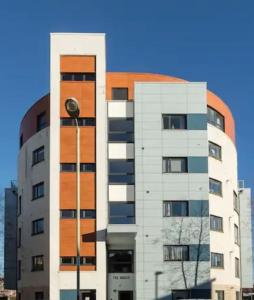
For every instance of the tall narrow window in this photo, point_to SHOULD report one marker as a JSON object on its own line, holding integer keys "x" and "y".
{"x": 38, "y": 226}
{"x": 38, "y": 155}
{"x": 215, "y": 151}
{"x": 215, "y": 187}
{"x": 236, "y": 202}
{"x": 216, "y": 223}
{"x": 37, "y": 263}
{"x": 19, "y": 205}
{"x": 219, "y": 295}
{"x": 174, "y": 165}
{"x": 41, "y": 121}
{"x": 175, "y": 208}
{"x": 19, "y": 238}
{"x": 19, "y": 270}
{"x": 38, "y": 190}
{"x": 215, "y": 118}
{"x": 21, "y": 141}
{"x": 237, "y": 267}
{"x": 217, "y": 260}
{"x": 176, "y": 253}
{"x": 237, "y": 295}
{"x": 236, "y": 234}
{"x": 174, "y": 121}
{"x": 119, "y": 93}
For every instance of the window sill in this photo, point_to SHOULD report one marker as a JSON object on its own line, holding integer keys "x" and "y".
{"x": 33, "y": 199}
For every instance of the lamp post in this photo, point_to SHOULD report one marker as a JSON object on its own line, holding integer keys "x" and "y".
{"x": 72, "y": 108}
{"x": 157, "y": 273}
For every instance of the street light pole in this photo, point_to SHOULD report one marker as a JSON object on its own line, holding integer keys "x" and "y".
{"x": 72, "y": 107}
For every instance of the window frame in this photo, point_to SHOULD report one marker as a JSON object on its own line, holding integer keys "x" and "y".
{"x": 187, "y": 258}
{"x": 126, "y": 217}
{"x": 164, "y": 168}
{"x": 174, "y": 115}
{"x": 237, "y": 267}
{"x": 35, "y": 267}
{"x": 35, "y": 186}
{"x": 81, "y": 122}
{"x": 236, "y": 202}
{"x": 217, "y": 292}
{"x": 220, "y": 194}
{"x": 236, "y": 235}
{"x": 127, "y": 135}
{"x": 119, "y": 88}
{"x": 220, "y": 151}
{"x": 170, "y": 202}
{"x": 35, "y": 226}
{"x": 131, "y": 263}
{"x": 73, "y": 213}
{"x": 41, "y": 125}
{"x": 214, "y": 229}
{"x": 120, "y": 175}
{"x": 36, "y": 155}
{"x": 214, "y": 123}
{"x": 84, "y": 76}
{"x": 218, "y": 254}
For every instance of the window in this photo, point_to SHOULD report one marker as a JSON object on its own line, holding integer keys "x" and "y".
{"x": 120, "y": 261}
{"x": 81, "y": 122}
{"x": 18, "y": 296}
{"x": 38, "y": 155}
{"x": 215, "y": 187}
{"x": 174, "y": 165}
{"x": 87, "y": 261}
{"x": 68, "y": 167}
{"x": 87, "y": 214}
{"x": 174, "y": 122}
{"x": 78, "y": 76}
{"x": 19, "y": 270}
{"x": 119, "y": 93}
{"x": 19, "y": 205}
{"x": 121, "y": 171}
{"x": 68, "y": 260}
{"x": 38, "y": 226}
{"x": 180, "y": 294}
{"x": 219, "y": 295}
{"x": 237, "y": 267}
{"x": 217, "y": 260}
{"x": 175, "y": 209}
{"x": 216, "y": 223}
{"x": 38, "y": 190}
{"x": 215, "y": 118}
{"x": 21, "y": 141}
{"x": 84, "y": 167}
{"x": 215, "y": 151}
{"x": 41, "y": 121}
{"x": 121, "y": 130}
{"x": 88, "y": 167}
{"x": 68, "y": 214}
{"x": 236, "y": 202}
{"x": 176, "y": 253}
{"x": 237, "y": 295}
{"x": 121, "y": 213}
{"x": 19, "y": 238}
{"x": 236, "y": 234}
{"x": 37, "y": 263}
{"x": 39, "y": 295}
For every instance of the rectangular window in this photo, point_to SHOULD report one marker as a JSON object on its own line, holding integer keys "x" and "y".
{"x": 39, "y": 295}
{"x": 215, "y": 151}
{"x": 19, "y": 205}
{"x": 87, "y": 261}
{"x": 84, "y": 167}
{"x": 119, "y": 93}
{"x": 174, "y": 121}
{"x": 18, "y": 296}
{"x": 37, "y": 226}
{"x": 37, "y": 263}
{"x": 121, "y": 130}
{"x": 237, "y": 267}
{"x": 237, "y": 295}
{"x": 219, "y": 295}
{"x": 215, "y": 187}
{"x": 174, "y": 165}
{"x": 68, "y": 260}
{"x": 19, "y": 238}
{"x": 78, "y": 76}
{"x": 217, "y": 260}
{"x": 236, "y": 202}
{"x": 87, "y": 214}
{"x": 175, "y": 209}
{"x": 215, "y": 118}
{"x": 88, "y": 167}
{"x": 81, "y": 122}
{"x": 121, "y": 213}
{"x": 180, "y": 294}
{"x": 68, "y": 167}
{"x": 19, "y": 270}
{"x": 38, "y": 190}
{"x": 176, "y": 253}
{"x": 68, "y": 214}
{"x": 120, "y": 261}
{"x": 121, "y": 171}
{"x": 21, "y": 141}
{"x": 41, "y": 121}
{"x": 216, "y": 223}
{"x": 38, "y": 155}
{"x": 236, "y": 234}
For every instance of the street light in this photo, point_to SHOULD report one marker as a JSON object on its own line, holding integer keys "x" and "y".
{"x": 72, "y": 108}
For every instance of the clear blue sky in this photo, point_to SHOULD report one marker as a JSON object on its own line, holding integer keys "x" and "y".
{"x": 198, "y": 40}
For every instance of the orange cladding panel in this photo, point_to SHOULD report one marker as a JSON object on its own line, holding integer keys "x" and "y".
{"x": 77, "y": 63}
{"x": 84, "y": 92}
{"x": 68, "y": 237}
{"x": 68, "y": 190}
{"x": 68, "y": 144}
{"x": 88, "y": 238}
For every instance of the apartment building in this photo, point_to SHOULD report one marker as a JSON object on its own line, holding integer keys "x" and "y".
{"x": 159, "y": 205}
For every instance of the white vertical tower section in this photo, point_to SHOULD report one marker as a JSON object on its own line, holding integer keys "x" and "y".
{"x": 77, "y": 44}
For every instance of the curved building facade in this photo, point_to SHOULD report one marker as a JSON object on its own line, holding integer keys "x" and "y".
{"x": 158, "y": 185}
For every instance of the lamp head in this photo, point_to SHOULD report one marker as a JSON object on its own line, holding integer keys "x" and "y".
{"x": 72, "y": 107}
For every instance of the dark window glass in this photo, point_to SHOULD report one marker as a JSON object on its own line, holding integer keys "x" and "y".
{"x": 215, "y": 187}
{"x": 121, "y": 179}
{"x": 38, "y": 155}
{"x": 119, "y": 93}
{"x": 90, "y": 76}
{"x": 175, "y": 208}
{"x": 121, "y": 130}
{"x": 38, "y": 226}
{"x": 88, "y": 167}
{"x": 214, "y": 150}
{"x": 236, "y": 202}
{"x": 121, "y": 171}
{"x": 174, "y": 122}
{"x": 81, "y": 122}
{"x": 174, "y": 165}
{"x": 176, "y": 253}
{"x": 38, "y": 190}
{"x": 68, "y": 260}
{"x": 120, "y": 261}
{"x": 217, "y": 260}
{"x": 21, "y": 141}
{"x": 19, "y": 296}
{"x": 41, "y": 121}
{"x": 215, "y": 118}
{"x": 37, "y": 263}
{"x": 19, "y": 270}
{"x": 237, "y": 267}
{"x": 219, "y": 295}
{"x": 66, "y": 76}
{"x": 236, "y": 234}
{"x": 216, "y": 223}
{"x": 180, "y": 294}
{"x": 39, "y": 296}
{"x": 122, "y": 137}
{"x": 68, "y": 167}
{"x": 121, "y": 213}
{"x": 19, "y": 205}
{"x": 87, "y": 260}
{"x": 78, "y": 77}
{"x": 68, "y": 214}
{"x": 19, "y": 238}
{"x": 87, "y": 214}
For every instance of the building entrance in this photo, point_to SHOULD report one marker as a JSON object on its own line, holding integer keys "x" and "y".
{"x": 125, "y": 295}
